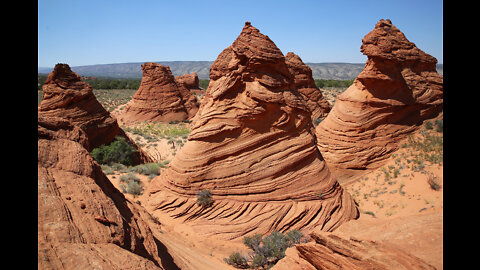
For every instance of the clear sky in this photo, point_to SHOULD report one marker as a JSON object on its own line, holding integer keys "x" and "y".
{"x": 89, "y": 32}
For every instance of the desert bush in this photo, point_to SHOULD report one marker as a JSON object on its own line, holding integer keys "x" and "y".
{"x": 204, "y": 198}
{"x": 146, "y": 169}
{"x": 428, "y": 125}
{"x": 134, "y": 188}
{"x": 439, "y": 125}
{"x": 129, "y": 177}
{"x": 119, "y": 151}
{"x": 237, "y": 260}
{"x": 267, "y": 251}
{"x": 317, "y": 121}
{"x": 107, "y": 169}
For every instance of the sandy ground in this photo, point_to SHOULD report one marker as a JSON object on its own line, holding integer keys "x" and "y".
{"x": 396, "y": 201}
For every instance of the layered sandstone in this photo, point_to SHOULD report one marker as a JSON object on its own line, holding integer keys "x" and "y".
{"x": 253, "y": 147}
{"x": 84, "y": 222}
{"x": 397, "y": 90}
{"x": 190, "y": 81}
{"x": 65, "y": 95}
{"x": 159, "y": 98}
{"x": 305, "y": 84}
{"x": 329, "y": 251}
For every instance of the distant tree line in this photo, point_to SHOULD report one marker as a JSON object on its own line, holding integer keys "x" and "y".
{"x": 116, "y": 83}
{"x": 113, "y": 83}
{"x": 320, "y": 83}
{"x": 333, "y": 83}
{"x": 101, "y": 82}
{"x": 203, "y": 84}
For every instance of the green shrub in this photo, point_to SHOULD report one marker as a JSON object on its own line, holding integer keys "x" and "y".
{"x": 317, "y": 121}
{"x": 204, "y": 198}
{"x": 119, "y": 151}
{"x": 134, "y": 188}
{"x": 237, "y": 260}
{"x": 267, "y": 251}
{"x": 428, "y": 125}
{"x": 146, "y": 169}
{"x": 439, "y": 125}
{"x": 129, "y": 177}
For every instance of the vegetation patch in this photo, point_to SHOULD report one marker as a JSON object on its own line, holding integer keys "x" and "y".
{"x": 161, "y": 130}
{"x": 119, "y": 151}
{"x": 204, "y": 198}
{"x": 265, "y": 252}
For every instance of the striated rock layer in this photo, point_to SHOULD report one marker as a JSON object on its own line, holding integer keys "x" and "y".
{"x": 305, "y": 84}
{"x": 84, "y": 222}
{"x": 65, "y": 95}
{"x": 329, "y": 251}
{"x": 253, "y": 147}
{"x": 159, "y": 98}
{"x": 190, "y": 81}
{"x": 397, "y": 90}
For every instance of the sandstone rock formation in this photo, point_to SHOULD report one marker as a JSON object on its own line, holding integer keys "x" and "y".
{"x": 397, "y": 90}
{"x": 305, "y": 84}
{"x": 66, "y": 96}
{"x": 329, "y": 251}
{"x": 159, "y": 98}
{"x": 190, "y": 81}
{"x": 84, "y": 222}
{"x": 253, "y": 147}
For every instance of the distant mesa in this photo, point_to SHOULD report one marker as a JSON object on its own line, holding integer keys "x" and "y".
{"x": 253, "y": 147}
{"x": 159, "y": 98}
{"x": 398, "y": 89}
{"x": 305, "y": 84}
{"x": 66, "y": 96}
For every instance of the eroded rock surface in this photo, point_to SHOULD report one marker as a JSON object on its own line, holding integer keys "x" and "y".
{"x": 190, "y": 81}
{"x": 65, "y": 95}
{"x": 253, "y": 147}
{"x": 397, "y": 90}
{"x": 159, "y": 98}
{"x": 329, "y": 251}
{"x": 84, "y": 222}
{"x": 305, "y": 84}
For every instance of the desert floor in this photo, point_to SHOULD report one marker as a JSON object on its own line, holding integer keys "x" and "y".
{"x": 400, "y": 203}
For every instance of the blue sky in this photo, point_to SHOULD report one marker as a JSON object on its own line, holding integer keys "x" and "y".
{"x": 87, "y": 32}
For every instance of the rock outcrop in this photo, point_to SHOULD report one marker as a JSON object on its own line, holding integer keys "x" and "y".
{"x": 84, "y": 222}
{"x": 253, "y": 147}
{"x": 65, "y": 95}
{"x": 190, "y": 81}
{"x": 397, "y": 90}
{"x": 159, "y": 98}
{"x": 305, "y": 84}
{"x": 329, "y": 251}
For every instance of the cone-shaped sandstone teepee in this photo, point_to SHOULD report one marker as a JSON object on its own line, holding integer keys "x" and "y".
{"x": 159, "y": 98}
{"x": 253, "y": 147}
{"x": 397, "y": 90}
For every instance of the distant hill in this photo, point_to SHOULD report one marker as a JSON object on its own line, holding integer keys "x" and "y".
{"x": 328, "y": 71}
